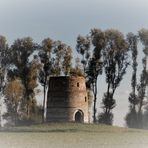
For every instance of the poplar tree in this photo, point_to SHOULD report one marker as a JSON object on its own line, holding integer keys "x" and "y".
{"x": 115, "y": 55}
{"x": 46, "y": 68}
{"x": 142, "y": 86}
{"x": 4, "y": 64}
{"x": 131, "y": 117}
{"x": 143, "y": 35}
{"x": 95, "y": 64}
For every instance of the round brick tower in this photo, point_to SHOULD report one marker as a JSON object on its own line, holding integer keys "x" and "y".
{"x": 67, "y": 99}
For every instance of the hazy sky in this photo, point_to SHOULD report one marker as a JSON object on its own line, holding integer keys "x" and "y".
{"x": 65, "y": 19}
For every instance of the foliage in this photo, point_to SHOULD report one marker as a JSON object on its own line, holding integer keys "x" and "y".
{"x": 115, "y": 55}
{"x": 62, "y": 58}
{"x": 143, "y": 35}
{"x": 76, "y": 72}
{"x": 108, "y": 103}
{"x": 83, "y": 48}
{"x": 55, "y": 58}
{"x": 15, "y": 114}
{"x": 106, "y": 118}
{"x": 136, "y": 114}
{"x": 14, "y": 93}
{"x": 46, "y": 69}
{"x": 67, "y": 61}
{"x": 133, "y": 41}
{"x": 32, "y": 76}
{"x": 4, "y": 61}
{"x": 132, "y": 118}
{"x": 95, "y": 64}
{"x": 21, "y": 50}
{"x": 100, "y": 52}
{"x": 4, "y": 64}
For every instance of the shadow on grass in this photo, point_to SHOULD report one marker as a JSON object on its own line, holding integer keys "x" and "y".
{"x": 66, "y": 128}
{"x": 38, "y": 130}
{"x": 13, "y": 130}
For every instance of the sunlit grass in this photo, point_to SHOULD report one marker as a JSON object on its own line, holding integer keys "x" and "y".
{"x": 71, "y": 135}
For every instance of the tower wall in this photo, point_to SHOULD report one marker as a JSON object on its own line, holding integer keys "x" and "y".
{"x": 66, "y": 97}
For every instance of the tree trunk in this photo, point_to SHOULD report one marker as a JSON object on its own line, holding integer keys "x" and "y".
{"x": 94, "y": 116}
{"x": 95, "y": 101}
{"x": 28, "y": 112}
{"x": 43, "y": 118}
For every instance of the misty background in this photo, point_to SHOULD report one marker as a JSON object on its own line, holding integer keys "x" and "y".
{"x": 65, "y": 19}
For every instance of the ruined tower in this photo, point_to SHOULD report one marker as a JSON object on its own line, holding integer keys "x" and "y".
{"x": 67, "y": 99}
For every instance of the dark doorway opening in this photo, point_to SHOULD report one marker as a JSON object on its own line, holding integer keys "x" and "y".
{"x": 79, "y": 117}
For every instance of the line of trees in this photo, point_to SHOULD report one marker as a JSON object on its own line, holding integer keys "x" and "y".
{"x": 29, "y": 64}
{"x": 25, "y": 64}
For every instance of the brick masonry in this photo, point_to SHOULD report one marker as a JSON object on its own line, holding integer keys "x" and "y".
{"x": 67, "y": 99}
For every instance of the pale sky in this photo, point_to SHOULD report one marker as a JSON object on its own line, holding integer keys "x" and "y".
{"x": 66, "y": 19}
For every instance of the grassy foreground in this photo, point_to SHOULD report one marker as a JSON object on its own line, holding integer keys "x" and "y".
{"x": 71, "y": 135}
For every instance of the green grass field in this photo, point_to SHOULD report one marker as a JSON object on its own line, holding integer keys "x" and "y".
{"x": 71, "y": 135}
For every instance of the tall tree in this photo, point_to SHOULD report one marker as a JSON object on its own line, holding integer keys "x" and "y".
{"x": 115, "y": 65}
{"x": 143, "y": 35}
{"x": 4, "y": 63}
{"x": 134, "y": 118}
{"x": 131, "y": 117}
{"x": 95, "y": 69}
{"x": 22, "y": 49}
{"x": 32, "y": 76}
{"x": 142, "y": 86}
{"x": 95, "y": 64}
{"x": 3, "y": 60}
{"x": 132, "y": 42}
{"x": 46, "y": 70}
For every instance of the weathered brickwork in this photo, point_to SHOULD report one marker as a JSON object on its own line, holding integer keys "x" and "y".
{"x": 67, "y": 99}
